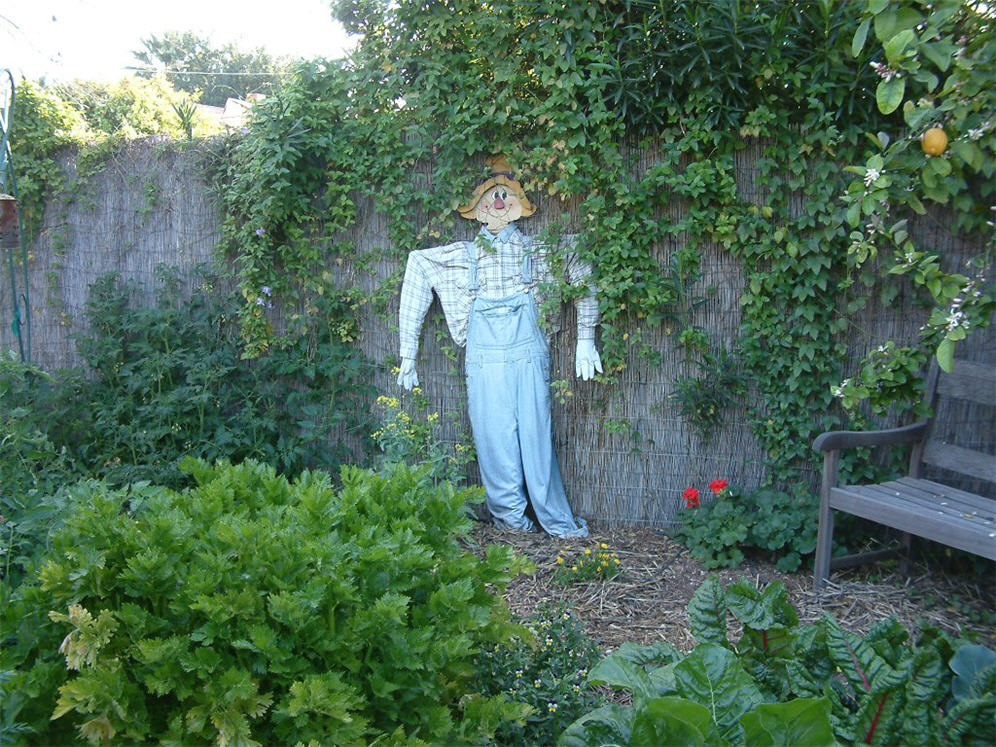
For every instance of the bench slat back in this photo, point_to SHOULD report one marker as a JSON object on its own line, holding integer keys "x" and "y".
{"x": 963, "y": 432}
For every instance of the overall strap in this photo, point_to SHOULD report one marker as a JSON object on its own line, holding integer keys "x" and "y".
{"x": 527, "y": 263}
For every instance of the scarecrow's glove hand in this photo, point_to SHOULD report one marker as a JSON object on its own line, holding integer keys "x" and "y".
{"x": 587, "y": 360}
{"x": 408, "y": 378}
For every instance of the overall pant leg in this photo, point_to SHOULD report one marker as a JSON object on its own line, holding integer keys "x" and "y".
{"x": 540, "y": 465}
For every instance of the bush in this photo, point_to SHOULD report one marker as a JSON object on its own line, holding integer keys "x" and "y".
{"x": 718, "y": 532}
{"x": 167, "y": 380}
{"x": 546, "y": 670}
{"x": 32, "y": 468}
{"x": 251, "y": 609}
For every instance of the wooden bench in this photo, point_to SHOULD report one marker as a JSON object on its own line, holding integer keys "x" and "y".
{"x": 926, "y": 508}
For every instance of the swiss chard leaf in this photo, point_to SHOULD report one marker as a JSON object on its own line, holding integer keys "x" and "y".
{"x": 607, "y": 726}
{"x": 707, "y": 613}
{"x": 800, "y": 721}
{"x": 712, "y": 675}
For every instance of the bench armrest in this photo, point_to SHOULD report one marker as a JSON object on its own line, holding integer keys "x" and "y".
{"x": 834, "y": 440}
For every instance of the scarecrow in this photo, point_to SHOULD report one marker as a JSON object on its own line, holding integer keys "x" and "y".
{"x": 490, "y": 291}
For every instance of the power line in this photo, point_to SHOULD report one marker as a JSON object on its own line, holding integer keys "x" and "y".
{"x": 202, "y": 72}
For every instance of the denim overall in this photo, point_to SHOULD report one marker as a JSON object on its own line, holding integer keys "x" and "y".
{"x": 508, "y": 391}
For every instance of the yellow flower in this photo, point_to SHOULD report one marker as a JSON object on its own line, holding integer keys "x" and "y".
{"x": 560, "y": 560}
{"x": 587, "y": 551}
{"x": 604, "y": 546}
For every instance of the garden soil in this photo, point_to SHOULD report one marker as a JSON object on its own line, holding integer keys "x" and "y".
{"x": 647, "y": 601}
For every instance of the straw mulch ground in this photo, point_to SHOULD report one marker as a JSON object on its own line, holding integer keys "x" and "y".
{"x": 647, "y": 602}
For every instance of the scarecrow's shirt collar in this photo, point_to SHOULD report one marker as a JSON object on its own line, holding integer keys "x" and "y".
{"x": 504, "y": 234}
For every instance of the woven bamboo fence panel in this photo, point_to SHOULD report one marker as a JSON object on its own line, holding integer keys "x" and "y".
{"x": 625, "y": 451}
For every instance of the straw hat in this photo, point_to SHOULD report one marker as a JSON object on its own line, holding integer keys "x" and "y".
{"x": 500, "y": 174}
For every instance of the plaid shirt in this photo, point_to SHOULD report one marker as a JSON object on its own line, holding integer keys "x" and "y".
{"x": 445, "y": 270}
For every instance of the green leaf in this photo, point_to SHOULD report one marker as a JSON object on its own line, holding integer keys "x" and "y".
{"x": 945, "y": 355}
{"x": 761, "y": 609}
{"x": 707, "y": 612}
{"x": 803, "y": 721}
{"x": 713, "y": 676}
{"x": 967, "y": 662}
{"x": 858, "y": 42}
{"x": 617, "y": 672}
{"x": 898, "y": 47}
{"x": 672, "y": 720}
{"x": 889, "y": 94}
{"x": 859, "y": 661}
{"x": 940, "y": 53}
{"x": 608, "y": 725}
{"x": 939, "y": 166}
{"x": 969, "y": 153}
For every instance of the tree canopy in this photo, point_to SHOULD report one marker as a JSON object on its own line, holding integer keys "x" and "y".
{"x": 193, "y": 63}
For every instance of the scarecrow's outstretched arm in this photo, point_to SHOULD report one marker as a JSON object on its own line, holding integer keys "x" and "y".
{"x": 416, "y": 297}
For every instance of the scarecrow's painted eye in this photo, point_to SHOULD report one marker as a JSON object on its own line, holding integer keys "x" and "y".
{"x": 496, "y": 195}
{"x": 504, "y": 195}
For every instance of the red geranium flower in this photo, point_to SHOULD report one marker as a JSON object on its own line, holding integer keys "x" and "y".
{"x": 718, "y": 486}
{"x": 691, "y": 496}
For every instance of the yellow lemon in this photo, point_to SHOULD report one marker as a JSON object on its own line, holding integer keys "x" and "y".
{"x": 934, "y": 141}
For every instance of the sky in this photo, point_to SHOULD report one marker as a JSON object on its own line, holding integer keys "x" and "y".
{"x": 94, "y": 39}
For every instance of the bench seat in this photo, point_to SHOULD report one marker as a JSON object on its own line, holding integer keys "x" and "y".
{"x": 916, "y": 506}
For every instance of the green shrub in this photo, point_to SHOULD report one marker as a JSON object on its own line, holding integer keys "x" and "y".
{"x": 719, "y": 532}
{"x": 546, "y": 670}
{"x": 251, "y": 609}
{"x": 32, "y": 468}
{"x": 785, "y": 683}
{"x": 167, "y": 380}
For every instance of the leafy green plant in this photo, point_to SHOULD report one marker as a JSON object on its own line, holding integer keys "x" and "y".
{"x": 587, "y": 564}
{"x": 720, "y": 531}
{"x": 134, "y": 107}
{"x": 702, "y": 400}
{"x": 785, "y": 683}
{"x": 546, "y": 669}
{"x": 32, "y": 468}
{"x": 168, "y": 381}
{"x": 254, "y": 609}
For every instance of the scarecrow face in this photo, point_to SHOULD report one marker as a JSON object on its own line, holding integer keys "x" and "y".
{"x": 498, "y": 207}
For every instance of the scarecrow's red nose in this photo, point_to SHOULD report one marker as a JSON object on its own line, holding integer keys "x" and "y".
{"x": 499, "y": 203}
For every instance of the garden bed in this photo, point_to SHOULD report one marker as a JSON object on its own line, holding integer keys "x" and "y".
{"x": 646, "y": 602}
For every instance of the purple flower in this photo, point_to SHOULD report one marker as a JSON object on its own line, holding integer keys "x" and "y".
{"x": 266, "y": 290}
{"x": 244, "y": 130}
{"x": 260, "y": 301}
{"x": 260, "y": 231}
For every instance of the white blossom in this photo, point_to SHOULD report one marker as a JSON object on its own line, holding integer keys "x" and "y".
{"x": 957, "y": 319}
{"x": 871, "y": 175}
